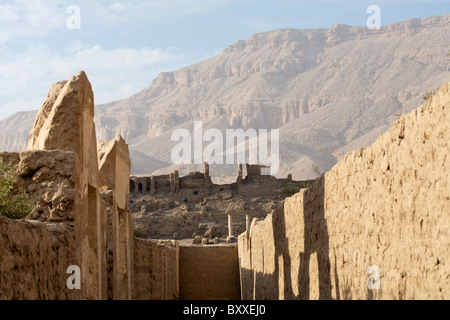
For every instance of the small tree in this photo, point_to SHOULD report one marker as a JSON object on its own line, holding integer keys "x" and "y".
{"x": 14, "y": 201}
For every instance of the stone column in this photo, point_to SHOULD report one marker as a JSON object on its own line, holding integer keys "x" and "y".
{"x": 208, "y": 182}
{"x": 206, "y": 169}
{"x": 247, "y": 222}
{"x": 114, "y": 173}
{"x": 177, "y": 181}
{"x": 230, "y": 237}
{"x": 152, "y": 185}
{"x": 172, "y": 182}
{"x": 240, "y": 177}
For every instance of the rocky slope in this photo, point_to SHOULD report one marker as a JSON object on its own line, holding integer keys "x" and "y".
{"x": 329, "y": 91}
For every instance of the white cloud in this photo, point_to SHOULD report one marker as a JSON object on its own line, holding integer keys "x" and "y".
{"x": 26, "y": 19}
{"x": 151, "y": 11}
{"x": 32, "y": 56}
{"x": 260, "y": 25}
{"x": 114, "y": 74}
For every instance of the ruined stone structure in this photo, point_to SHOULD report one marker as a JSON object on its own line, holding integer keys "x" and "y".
{"x": 240, "y": 174}
{"x": 257, "y": 170}
{"x": 77, "y": 198}
{"x": 34, "y": 255}
{"x": 65, "y": 122}
{"x": 156, "y": 270}
{"x": 209, "y": 272}
{"x": 50, "y": 178}
{"x": 114, "y": 169}
{"x": 81, "y": 215}
{"x": 195, "y": 184}
{"x": 376, "y": 226}
{"x": 201, "y": 208}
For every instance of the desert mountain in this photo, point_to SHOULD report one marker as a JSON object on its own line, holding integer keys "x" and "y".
{"x": 329, "y": 91}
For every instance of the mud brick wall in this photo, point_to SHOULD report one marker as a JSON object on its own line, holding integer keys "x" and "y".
{"x": 50, "y": 178}
{"x": 209, "y": 272}
{"x": 34, "y": 258}
{"x": 155, "y": 270}
{"x": 382, "y": 213}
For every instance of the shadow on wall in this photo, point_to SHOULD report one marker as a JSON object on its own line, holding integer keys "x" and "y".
{"x": 316, "y": 240}
{"x": 313, "y": 260}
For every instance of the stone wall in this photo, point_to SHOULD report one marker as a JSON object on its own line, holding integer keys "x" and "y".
{"x": 34, "y": 258}
{"x": 35, "y": 254}
{"x": 209, "y": 272}
{"x": 382, "y": 213}
{"x": 263, "y": 186}
{"x": 49, "y": 177}
{"x": 166, "y": 185}
{"x": 81, "y": 216}
{"x": 155, "y": 270}
{"x": 61, "y": 172}
{"x": 66, "y": 122}
{"x": 197, "y": 185}
{"x": 114, "y": 173}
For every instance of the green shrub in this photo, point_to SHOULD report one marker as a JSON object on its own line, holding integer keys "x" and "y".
{"x": 14, "y": 201}
{"x": 428, "y": 95}
{"x": 399, "y": 114}
{"x": 317, "y": 171}
{"x": 140, "y": 231}
{"x": 292, "y": 188}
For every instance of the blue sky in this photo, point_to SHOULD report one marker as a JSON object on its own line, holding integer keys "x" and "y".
{"x": 124, "y": 45}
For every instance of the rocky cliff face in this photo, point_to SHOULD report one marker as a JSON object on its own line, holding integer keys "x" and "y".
{"x": 328, "y": 90}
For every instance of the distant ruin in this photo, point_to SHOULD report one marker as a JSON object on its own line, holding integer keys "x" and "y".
{"x": 197, "y": 184}
{"x": 173, "y": 207}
